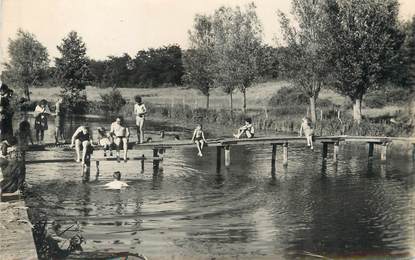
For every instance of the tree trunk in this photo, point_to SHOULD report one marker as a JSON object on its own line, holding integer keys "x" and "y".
{"x": 357, "y": 110}
{"x": 244, "y": 106}
{"x": 26, "y": 92}
{"x": 231, "y": 104}
{"x": 313, "y": 109}
{"x": 207, "y": 101}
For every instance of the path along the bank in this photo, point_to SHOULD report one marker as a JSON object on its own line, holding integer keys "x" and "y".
{"x": 16, "y": 239}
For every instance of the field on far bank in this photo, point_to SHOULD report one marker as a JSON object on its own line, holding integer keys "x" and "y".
{"x": 258, "y": 97}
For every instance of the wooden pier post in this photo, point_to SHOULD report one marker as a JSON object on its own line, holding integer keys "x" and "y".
{"x": 97, "y": 166}
{"x": 413, "y": 151}
{"x": 274, "y": 157}
{"x": 371, "y": 148}
{"x": 142, "y": 164}
{"x": 336, "y": 149}
{"x": 383, "y": 152}
{"x": 155, "y": 155}
{"x": 325, "y": 150}
{"x": 285, "y": 154}
{"x": 161, "y": 153}
{"x": 218, "y": 158}
{"x": 227, "y": 155}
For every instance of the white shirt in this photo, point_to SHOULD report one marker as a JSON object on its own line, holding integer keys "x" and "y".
{"x": 116, "y": 185}
{"x": 139, "y": 110}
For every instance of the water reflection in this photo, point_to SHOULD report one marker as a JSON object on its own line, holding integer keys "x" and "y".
{"x": 353, "y": 207}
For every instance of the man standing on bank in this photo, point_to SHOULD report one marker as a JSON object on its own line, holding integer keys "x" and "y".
{"x": 140, "y": 111}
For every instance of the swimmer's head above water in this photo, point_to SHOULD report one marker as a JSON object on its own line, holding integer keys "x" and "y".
{"x": 117, "y": 175}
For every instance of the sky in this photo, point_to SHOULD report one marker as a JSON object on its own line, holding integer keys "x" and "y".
{"x": 114, "y": 27}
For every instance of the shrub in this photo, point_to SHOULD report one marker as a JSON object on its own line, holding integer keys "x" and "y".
{"x": 112, "y": 102}
{"x": 288, "y": 96}
{"x": 389, "y": 96}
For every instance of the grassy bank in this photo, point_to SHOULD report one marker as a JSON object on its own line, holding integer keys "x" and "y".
{"x": 186, "y": 107}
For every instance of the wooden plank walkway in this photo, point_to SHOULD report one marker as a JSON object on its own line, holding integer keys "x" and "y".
{"x": 93, "y": 159}
{"x": 232, "y": 141}
{"x": 16, "y": 239}
{"x": 158, "y": 147}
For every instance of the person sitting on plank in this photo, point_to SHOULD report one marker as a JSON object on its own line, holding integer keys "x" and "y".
{"x": 121, "y": 134}
{"x": 308, "y": 131}
{"x": 105, "y": 140}
{"x": 246, "y": 130}
{"x": 199, "y": 139}
{"x": 81, "y": 138}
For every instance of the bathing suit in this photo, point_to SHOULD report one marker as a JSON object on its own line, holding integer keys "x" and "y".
{"x": 118, "y": 130}
{"x": 82, "y": 137}
{"x": 308, "y": 130}
{"x": 199, "y": 136}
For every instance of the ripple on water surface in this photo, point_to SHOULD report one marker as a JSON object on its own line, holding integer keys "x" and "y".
{"x": 349, "y": 208}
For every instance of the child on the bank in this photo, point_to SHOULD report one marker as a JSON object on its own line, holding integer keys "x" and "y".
{"x": 199, "y": 139}
{"x": 308, "y": 131}
{"x": 105, "y": 140}
{"x": 116, "y": 184}
{"x": 246, "y": 130}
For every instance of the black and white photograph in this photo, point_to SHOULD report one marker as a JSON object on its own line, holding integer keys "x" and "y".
{"x": 207, "y": 129}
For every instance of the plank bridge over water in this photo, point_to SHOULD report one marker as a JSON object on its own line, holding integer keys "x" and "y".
{"x": 159, "y": 147}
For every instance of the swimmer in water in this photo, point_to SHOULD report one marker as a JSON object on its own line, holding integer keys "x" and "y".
{"x": 116, "y": 184}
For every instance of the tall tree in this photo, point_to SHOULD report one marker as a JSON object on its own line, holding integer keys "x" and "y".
{"x": 238, "y": 38}
{"x": 223, "y": 65}
{"x": 72, "y": 72}
{"x": 117, "y": 70}
{"x": 28, "y": 63}
{"x": 363, "y": 41}
{"x": 198, "y": 61}
{"x": 407, "y": 73}
{"x": 304, "y": 58}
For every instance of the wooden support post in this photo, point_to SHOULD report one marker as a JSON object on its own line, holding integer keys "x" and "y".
{"x": 155, "y": 155}
{"x": 273, "y": 159}
{"x": 97, "y": 166}
{"x": 142, "y": 164}
{"x": 336, "y": 148}
{"x": 161, "y": 153}
{"x": 86, "y": 168}
{"x": 413, "y": 152}
{"x": 285, "y": 154}
{"x": 227, "y": 155}
{"x": 325, "y": 150}
{"x": 383, "y": 152}
{"x": 218, "y": 158}
{"x": 371, "y": 147}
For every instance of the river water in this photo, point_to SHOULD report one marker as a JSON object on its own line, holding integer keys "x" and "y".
{"x": 352, "y": 208}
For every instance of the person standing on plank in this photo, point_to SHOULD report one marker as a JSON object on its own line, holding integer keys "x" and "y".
{"x": 59, "y": 121}
{"x": 140, "y": 111}
{"x": 120, "y": 134}
{"x": 82, "y": 138}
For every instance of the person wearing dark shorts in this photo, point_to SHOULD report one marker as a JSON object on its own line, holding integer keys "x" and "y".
{"x": 82, "y": 138}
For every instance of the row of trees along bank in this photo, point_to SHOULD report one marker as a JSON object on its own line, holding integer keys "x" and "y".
{"x": 350, "y": 46}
